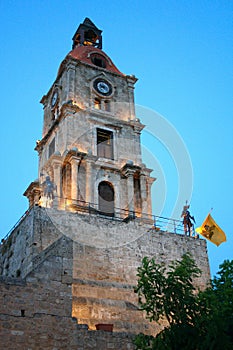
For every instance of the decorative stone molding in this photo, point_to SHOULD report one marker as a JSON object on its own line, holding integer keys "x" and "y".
{"x": 33, "y": 193}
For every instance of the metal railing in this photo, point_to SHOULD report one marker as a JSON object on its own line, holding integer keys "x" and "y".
{"x": 16, "y": 224}
{"x": 158, "y": 223}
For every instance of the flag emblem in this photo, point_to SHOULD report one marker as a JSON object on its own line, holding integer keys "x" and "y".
{"x": 211, "y": 231}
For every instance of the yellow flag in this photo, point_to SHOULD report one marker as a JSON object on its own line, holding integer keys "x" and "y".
{"x": 211, "y": 231}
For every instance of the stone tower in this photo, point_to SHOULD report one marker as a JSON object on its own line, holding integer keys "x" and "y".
{"x": 90, "y": 147}
{"x": 70, "y": 263}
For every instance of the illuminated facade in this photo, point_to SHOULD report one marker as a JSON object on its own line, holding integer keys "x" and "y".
{"x": 70, "y": 263}
{"x": 90, "y": 148}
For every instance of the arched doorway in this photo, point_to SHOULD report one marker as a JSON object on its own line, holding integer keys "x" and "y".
{"x": 106, "y": 198}
{"x": 66, "y": 181}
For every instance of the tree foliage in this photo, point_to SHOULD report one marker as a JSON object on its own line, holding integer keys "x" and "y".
{"x": 197, "y": 320}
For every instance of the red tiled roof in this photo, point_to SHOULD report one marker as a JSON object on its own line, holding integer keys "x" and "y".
{"x": 83, "y": 53}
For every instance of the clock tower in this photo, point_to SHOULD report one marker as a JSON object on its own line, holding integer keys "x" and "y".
{"x": 71, "y": 260}
{"x": 90, "y": 152}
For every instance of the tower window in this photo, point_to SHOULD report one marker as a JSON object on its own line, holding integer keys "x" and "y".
{"x": 98, "y": 61}
{"x": 104, "y": 143}
{"x": 137, "y": 194}
{"x": 66, "y": 180}
{"x": 52, "y": 147}
{"x": 106, "y": 198}
{"x": 22, "y": 313}
{"x": 107, "y": 105}
{"x": 90, "y": 37}
{"x": 97, "y": 103}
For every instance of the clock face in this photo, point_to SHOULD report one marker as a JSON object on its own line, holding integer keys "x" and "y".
{"x": 103, "y": 87}
{"x": 54, "y": 98}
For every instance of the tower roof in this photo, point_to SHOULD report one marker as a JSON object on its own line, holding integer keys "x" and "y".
{"x": 87, "y": 47}
{"x": 95, "y": 56}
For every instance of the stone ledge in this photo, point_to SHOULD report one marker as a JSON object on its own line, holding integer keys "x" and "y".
{"x": 103, "y": 284}
{"x": 12, "y": 281}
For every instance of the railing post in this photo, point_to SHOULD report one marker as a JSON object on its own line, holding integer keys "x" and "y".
{"x": 174, "y": 223}
{"x": 154, "y": 219}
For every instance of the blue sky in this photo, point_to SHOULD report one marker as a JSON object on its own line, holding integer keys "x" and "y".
{"x": 181, "y": 51}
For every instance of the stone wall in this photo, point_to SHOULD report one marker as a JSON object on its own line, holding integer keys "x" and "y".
{"x": 104, "y": 269}
{"x": 83, "y": 266}
{"x": 35, "y": 312}
{"x": 17, "y": 249}
{"x": 34, "y": 233}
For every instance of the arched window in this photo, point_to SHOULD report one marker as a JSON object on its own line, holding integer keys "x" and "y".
{"x": 98, "y": 60}
{"x": 106, "y": 198}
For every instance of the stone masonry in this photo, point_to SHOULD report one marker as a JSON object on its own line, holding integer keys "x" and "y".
{"x": 77, "y": 274}
{"x": 36, "y": 311}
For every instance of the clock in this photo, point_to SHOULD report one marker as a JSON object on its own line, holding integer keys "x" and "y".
{"x": 103, "y": 87}
{"x": 54, "y": 98}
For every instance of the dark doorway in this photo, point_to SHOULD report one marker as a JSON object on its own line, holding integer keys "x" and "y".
{"x": 66, "y": 181}
{"x": 106, "y": 198}
{"x": 104, "y": 143}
